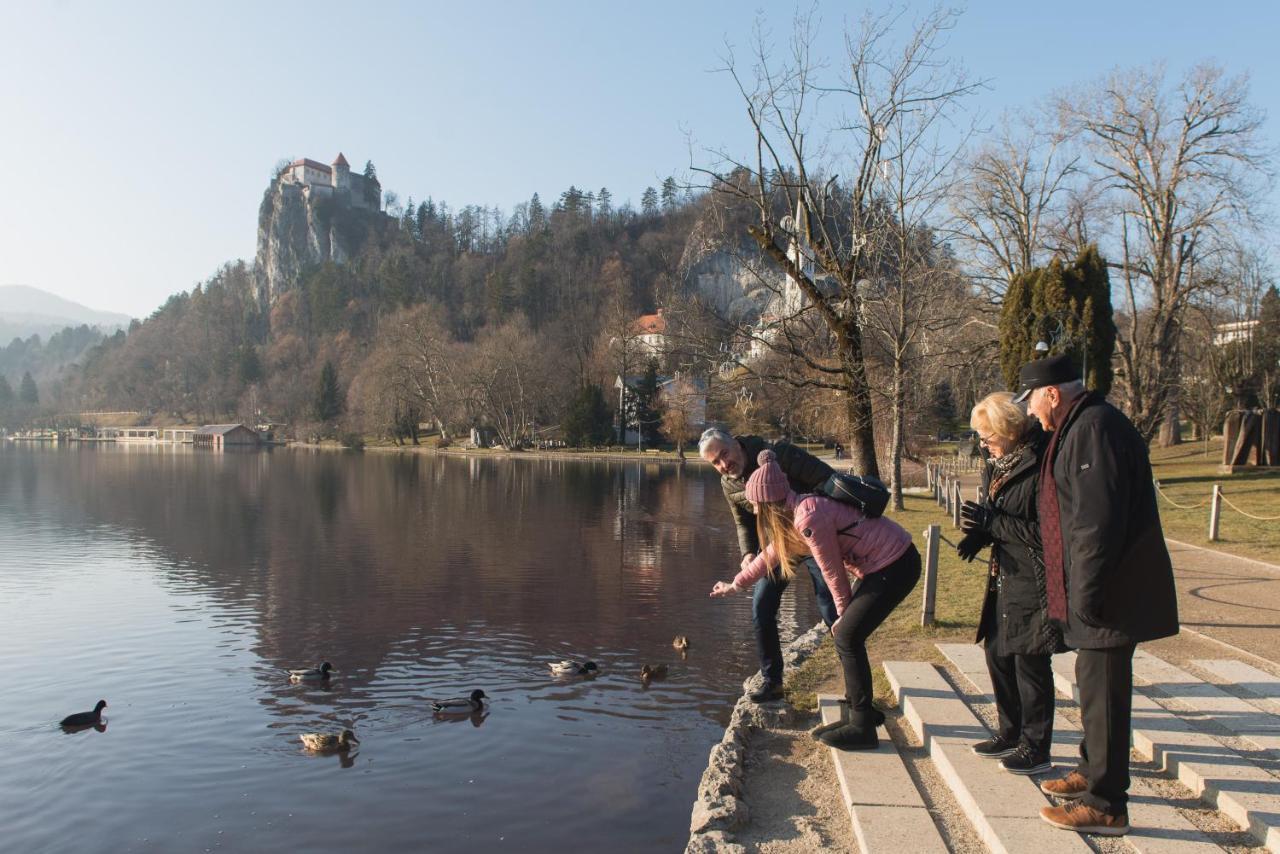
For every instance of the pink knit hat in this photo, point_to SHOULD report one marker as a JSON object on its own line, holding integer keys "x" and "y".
{"x": 767, "y": 484}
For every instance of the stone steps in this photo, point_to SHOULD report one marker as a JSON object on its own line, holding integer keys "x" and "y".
{"x": 1003, "y": 808}
{"x": 1158, "y": 827}
{"x": 883, "y": 801}
{"x": 1262, "y": 687}
{"x": 1219, "y": 775}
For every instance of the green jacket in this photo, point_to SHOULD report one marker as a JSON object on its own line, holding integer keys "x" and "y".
{"x": 804, "y": 472}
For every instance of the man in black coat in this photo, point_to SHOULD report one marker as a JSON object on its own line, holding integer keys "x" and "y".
{"x": 1109, "y": 580}
{"x": 735, "y": 458}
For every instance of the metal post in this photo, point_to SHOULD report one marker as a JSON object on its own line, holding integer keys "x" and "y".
{"x": 1215, "y": 512}
{"x": 931, "y": 536}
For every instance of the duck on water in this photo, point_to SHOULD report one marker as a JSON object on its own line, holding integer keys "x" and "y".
{"x": 82, "y": 719}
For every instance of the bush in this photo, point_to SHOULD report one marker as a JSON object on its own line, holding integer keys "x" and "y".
{"x": 352, "y": 441}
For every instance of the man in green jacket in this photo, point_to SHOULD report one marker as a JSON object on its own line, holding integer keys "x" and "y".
{"x": 735, "y": 458}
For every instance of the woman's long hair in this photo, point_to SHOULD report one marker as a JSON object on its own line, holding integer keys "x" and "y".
{"x": 775, "y": 526}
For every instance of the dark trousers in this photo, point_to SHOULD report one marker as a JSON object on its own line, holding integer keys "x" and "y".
{"x": 765, "y": 600}
{"x": 1024, "y": 697}
{"x": 1105, "y": 677}
{"x": 874, "y": 598}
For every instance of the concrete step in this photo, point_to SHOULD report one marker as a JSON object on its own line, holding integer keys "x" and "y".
{"x": 1257, "y": 727}
{"x": 1218, "y": 775}
{"x": 1003, "y": 808}
{"x": 1263, "y": 688}
{"x": 887, "y": 810}
{"x": 1158, "y": 827}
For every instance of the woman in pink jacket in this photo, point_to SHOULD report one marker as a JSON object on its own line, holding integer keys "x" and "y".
{"x": 879, "y": 555}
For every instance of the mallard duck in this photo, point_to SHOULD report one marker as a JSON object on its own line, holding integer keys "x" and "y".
{"x": 461, "y": 704}
{"x": 653, "y": 671}
{"x": 85, "y": 718}
{"x": 328, "y": 742}
{"x": 315, "y": 674}
{"x": 573, "y": 668}
{"x": 681, "y": 643}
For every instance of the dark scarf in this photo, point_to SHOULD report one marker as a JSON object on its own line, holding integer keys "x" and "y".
{"x": 1051, "y": 526}
{"x": 1001, "y": 468}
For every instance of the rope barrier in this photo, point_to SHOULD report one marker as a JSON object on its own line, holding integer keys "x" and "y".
{"x": 948, "y": 542}
{"x": 1227, "y": 501}
{"x": 1166, "y": 497}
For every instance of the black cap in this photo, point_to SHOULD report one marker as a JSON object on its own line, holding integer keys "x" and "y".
{"x": 1054, "y": 370}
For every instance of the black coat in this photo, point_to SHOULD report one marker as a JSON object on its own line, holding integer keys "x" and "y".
{"x": 1118, "y": 574}
{"x": 804, "y": 472}
{"x": 1014, "y": 611}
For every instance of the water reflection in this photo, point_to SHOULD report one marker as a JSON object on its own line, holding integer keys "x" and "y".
{"x": 191, "y": 582}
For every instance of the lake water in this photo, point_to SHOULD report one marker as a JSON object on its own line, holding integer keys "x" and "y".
{"x": 178, "y": 585}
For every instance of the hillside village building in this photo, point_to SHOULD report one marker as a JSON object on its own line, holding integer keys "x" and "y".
{"x": 318, "y": 180}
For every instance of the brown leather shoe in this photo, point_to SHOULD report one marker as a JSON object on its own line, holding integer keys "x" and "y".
{"x": 1083, "y": 818}
{"x": 1070, "y": 787}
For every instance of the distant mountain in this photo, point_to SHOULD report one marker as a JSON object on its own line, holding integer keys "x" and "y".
{"x": 28, "y": 311}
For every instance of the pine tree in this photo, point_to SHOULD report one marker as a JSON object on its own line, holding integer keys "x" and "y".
{"x": 604, "y": 203}
{"x": 649, "y": 202}
{"x": 6, "y": 392}
{"x": 646, "y": 405}
{"x": 670, "y": 195}
{"x": 537, "y": 215}
{"x": 369, "y": 171}
{"x": 1267, "y": 348}
{"x": 328, "y": 398}
{"x": 1066, "y": 306}
{"x": 27, "y": 390}
{"x": 588, "y": 420}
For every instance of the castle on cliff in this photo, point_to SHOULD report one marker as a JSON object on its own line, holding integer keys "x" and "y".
{"x": 318, "y": 181}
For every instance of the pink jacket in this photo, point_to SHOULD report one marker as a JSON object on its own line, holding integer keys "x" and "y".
{"x": 841, "y": 539}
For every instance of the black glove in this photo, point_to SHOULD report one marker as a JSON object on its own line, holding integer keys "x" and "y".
{"x": 976, "y": 517}
{"x": 972, "y": 543}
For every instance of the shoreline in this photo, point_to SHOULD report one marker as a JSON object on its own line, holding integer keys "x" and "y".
{"x": 667, "y": 457}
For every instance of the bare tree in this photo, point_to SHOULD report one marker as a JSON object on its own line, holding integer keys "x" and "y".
{"x": 425, "y": 366}
{"x": 1009, "y": 202}
{"x": 817, "y": 196}
{"x": 683, "y": 407}
{"x": 1179, "y": 166}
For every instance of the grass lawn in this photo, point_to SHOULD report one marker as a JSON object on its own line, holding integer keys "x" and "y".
{"x": 1187, "y": 475}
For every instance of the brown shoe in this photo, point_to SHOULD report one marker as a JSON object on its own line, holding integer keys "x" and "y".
{"x": 1083, "y": 818}
{"x": 1070, "y": 787}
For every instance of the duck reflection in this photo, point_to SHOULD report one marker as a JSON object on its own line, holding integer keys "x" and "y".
{"x": 476, "y": 718}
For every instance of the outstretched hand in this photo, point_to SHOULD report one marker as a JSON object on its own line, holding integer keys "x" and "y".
{"x": 723, "y": 588}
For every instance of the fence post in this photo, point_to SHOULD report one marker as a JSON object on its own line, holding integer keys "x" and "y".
{"x": 931, "y": 535}
{"x": 955, "y": 505}
{"x": 1215, "y": 512}
{"x": 950, "y": 491}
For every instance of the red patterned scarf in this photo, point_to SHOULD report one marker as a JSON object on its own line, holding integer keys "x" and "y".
{"x": 1051, "y": 527}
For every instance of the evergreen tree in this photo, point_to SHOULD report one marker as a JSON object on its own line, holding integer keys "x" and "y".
{"x": 424, "y": 219}
{"x": 328, "y": 398}
{"x": 537, "y": 215}
{"x": 27, "y": 390}
{"x": 670, "y": 195}
{"x": 647, "y": 416}
{"x": 248, "y": 366}
{"x": 1267, "y": 347}
{"x": 1066, "y": 306}
{"x": 649, "y": 202}
{"x": 6, "y": 392}
{"x": 588, "y": 420}
{"x": 369, "y": 170}
{"x": 604, "y": 203}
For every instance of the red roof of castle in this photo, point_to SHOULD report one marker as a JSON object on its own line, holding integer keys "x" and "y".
{"x": 311, "y": 164}
{"x": 340, "y": 160}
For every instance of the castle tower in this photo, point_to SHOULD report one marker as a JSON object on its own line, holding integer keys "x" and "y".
{"x": 341, "y": 173}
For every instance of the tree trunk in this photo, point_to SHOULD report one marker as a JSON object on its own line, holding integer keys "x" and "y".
{"x": 862, "y": 444}
{"x": 899, "y": 417}
{"x": 1170, "y": 434}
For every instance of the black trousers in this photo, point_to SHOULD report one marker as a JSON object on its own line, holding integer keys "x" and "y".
{"x": 1105, "y": 677}
{"x": 1024, "y": 697}
{"x": 874, "y": 598}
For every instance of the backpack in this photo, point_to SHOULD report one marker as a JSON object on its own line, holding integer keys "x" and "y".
{"x": 868, "y": 494}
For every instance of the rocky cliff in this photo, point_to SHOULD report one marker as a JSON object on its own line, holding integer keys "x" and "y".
{"x": 727, "y": 271}
{"x": 298, "y": 228}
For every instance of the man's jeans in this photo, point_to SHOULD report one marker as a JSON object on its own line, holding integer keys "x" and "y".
{"x": 765, "y": 600}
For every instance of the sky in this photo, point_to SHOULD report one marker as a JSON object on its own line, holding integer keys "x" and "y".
{"x": 138, "y": 137}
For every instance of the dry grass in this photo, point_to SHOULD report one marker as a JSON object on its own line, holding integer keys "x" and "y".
{"x": 1187, "y": 473}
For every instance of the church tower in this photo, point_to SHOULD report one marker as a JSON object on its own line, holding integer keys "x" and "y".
{"x": 341, "y": 173}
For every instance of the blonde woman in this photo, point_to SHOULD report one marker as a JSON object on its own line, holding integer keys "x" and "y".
{"x": 1015, "y": 625}
{"x": 878, "y": 553}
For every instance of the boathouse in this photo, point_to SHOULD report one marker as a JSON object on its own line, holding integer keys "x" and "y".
{"x": 225, "y": 436}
